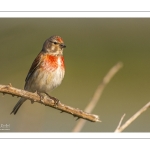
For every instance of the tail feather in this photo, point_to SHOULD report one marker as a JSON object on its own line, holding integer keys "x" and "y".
{"x": 17, "y": 106}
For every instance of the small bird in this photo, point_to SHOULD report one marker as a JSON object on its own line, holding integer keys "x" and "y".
{"x": 47, "y": 70}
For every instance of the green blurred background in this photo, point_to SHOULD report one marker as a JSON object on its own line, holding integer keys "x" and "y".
{"x": 94, "y": 45}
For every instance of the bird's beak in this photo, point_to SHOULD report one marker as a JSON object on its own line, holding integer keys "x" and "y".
{"x": 62, "y": 46}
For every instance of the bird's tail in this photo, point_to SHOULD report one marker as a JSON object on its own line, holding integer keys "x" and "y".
{"x": 17, "y": 106}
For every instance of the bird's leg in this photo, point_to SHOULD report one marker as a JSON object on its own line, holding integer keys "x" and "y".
{"x": 56, "y": 101}
{"x": 41, "y": 96}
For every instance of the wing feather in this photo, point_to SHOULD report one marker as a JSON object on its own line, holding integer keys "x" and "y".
{"x": 36, "y": 63}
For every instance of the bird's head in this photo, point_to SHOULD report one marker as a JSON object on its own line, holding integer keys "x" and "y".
{"x": 54, "y": 45}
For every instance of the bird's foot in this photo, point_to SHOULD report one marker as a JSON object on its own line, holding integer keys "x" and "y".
{"x": 56, "y": 101}
{"x": 41, "y": 96}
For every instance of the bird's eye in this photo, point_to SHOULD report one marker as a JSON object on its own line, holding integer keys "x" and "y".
{"x": 55, "y": 43}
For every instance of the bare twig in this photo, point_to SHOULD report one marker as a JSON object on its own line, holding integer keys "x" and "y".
{"x": 98, "y": 94}
{"x": 128, "y": 122}
{"x": 120, "y": 122}
{"x": 8, "y": 89}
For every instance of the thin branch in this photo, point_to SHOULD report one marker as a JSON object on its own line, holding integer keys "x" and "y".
{"x": 8, "y": 89}
{"x": 98, "y": 94}
{"x": 128, "y": 122}
{"x": 120, "y": 122}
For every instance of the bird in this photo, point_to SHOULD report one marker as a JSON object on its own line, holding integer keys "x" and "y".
{"x": 47, "y": 70}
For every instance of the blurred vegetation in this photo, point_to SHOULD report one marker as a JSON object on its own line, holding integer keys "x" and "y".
{"x": 94, "y": 45}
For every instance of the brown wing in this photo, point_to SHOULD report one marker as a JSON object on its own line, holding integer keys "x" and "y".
{"x": 34, "y": 65}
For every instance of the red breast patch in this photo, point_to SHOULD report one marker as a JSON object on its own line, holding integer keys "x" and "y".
{"x": 52, "y": 62}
